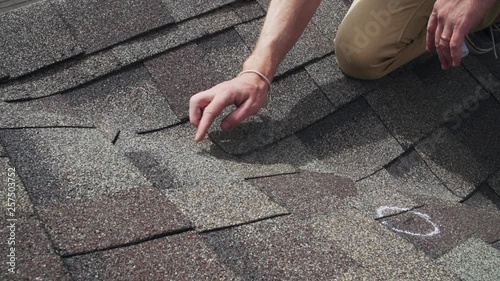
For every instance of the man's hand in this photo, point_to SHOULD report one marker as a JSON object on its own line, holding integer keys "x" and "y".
{"x": 448, "y": 24}
{"x": 248, "y": 92}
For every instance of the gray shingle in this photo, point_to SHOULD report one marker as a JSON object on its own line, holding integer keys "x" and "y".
{"x": 494, "y": 182}
{"x": 3, "y": 153}
{"x": 307, "y": 192}
{"x": 411, "y": 108}
{"x": 60, "y": 77}
{"x": 379, "y": 191}
{"x": 179, "y": 257}
{"x": 116, "y": 20}
{"x": 415, "y": 179}
{"x": 109, "y": 221}
{"x": 484, "y": 197}
{"x": 3, "y": 74}
{"x": 63, "y": 163}
{"x": 311, "y": 45}
{"x": 158, "y": 41}
{"x": 248, "y": 10}
{"x": 466, "y": 154}
{"x": 474, "y": 260}
{"x": 39, "y": 114}
{"x": 220, "y": 19}
{"x": 184, "y": 9}
{"x": 284, "y": 248}
{"x": 203, "y": 187}
{"x": 440, "y": 226}
{"x": 485, "y": 70}
{"x": 295, "y": 103}
{"x": 127, "y": 101}
{"x": 351, "y": 142}
{"x": 329, "y": 16}
{"x": 197, "y": 67}
{"x": 35, "y": 259}
{"x": 339, "y": 88}
{"x": 376, "y": 249}
{"x": 34, "y": 36}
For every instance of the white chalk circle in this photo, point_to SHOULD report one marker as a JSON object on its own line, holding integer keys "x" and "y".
{"x": 381, "y": 211}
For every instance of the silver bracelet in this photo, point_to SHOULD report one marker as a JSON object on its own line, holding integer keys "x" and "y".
{"x": 258, "y": 73}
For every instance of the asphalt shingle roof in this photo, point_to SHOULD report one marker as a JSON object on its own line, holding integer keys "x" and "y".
{"x": 336, "y": 178}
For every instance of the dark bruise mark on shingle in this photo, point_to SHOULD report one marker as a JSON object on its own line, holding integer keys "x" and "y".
{"x": 311, "y": 45}
{"x": 197, "y": 67}
{"x": 286, "y": 248}
{"x": 248, "y": 10}
{"x": 125, "y": 217}
{"x": 377, "y": 250}
{"x": 415, "y": 179}
{"x": 179, "y": 257}
{"x": 440, "y": 226}
{"x": 220, "y": 19}
{"x": 295, "y": 103}
{"x": 33, "y": 37}
{"x": 339, "y": 88}
{"x": 97, "y": 24}
{"x": 157, "y": 173}
{"x": 58, "y": 164}
{"x": 60, "y": 77}
{"x": 412, "y": 108}
{"x": 351, "y": 142}
{"x": 35, "y": 258}
{"x": 184, "y": 9}
{"x": 307, "y": 193}
{"x": 159, "y": 41}
{"x": 466, "y": 153}
{"x": 379, "y": 190}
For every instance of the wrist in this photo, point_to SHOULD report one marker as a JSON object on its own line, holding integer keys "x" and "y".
{"x": 258, "y": 79}
{"x": 263, "y": 66}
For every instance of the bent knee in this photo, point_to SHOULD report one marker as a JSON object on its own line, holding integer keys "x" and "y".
{"x": 358, "y": 56}
{"x": 359, "y": 63}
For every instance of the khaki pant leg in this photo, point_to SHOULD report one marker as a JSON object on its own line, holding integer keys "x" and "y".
{"x": 378, "y": 36}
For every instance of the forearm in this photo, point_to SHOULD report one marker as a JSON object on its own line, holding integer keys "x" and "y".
{"x": 284, "y": 24}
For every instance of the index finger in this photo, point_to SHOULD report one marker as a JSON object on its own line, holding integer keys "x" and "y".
{"x": 431, "y": 30}
{"x": 211, "y": 112}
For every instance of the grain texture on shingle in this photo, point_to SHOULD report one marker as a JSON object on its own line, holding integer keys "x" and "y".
{"x": 34, "y": 36}
{"x": 100, "y": 24}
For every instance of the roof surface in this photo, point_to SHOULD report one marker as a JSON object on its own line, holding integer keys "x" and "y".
{"x": 395, "y": 179}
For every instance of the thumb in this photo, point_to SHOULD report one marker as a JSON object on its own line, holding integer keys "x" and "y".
{"x": 239, "y": 115}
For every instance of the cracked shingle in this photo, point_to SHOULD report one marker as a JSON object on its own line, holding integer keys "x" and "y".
{"x": 310, "y": 46}
{"x": 204, "y": 187}
{"x": 121, "y": 218}
{"x": 351, "y": 142}
{"x": 127, "y": 101}
{"x": 34, "y": 36}
{"x": 114, "y": 22}
{"x": 178, "y": 257}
